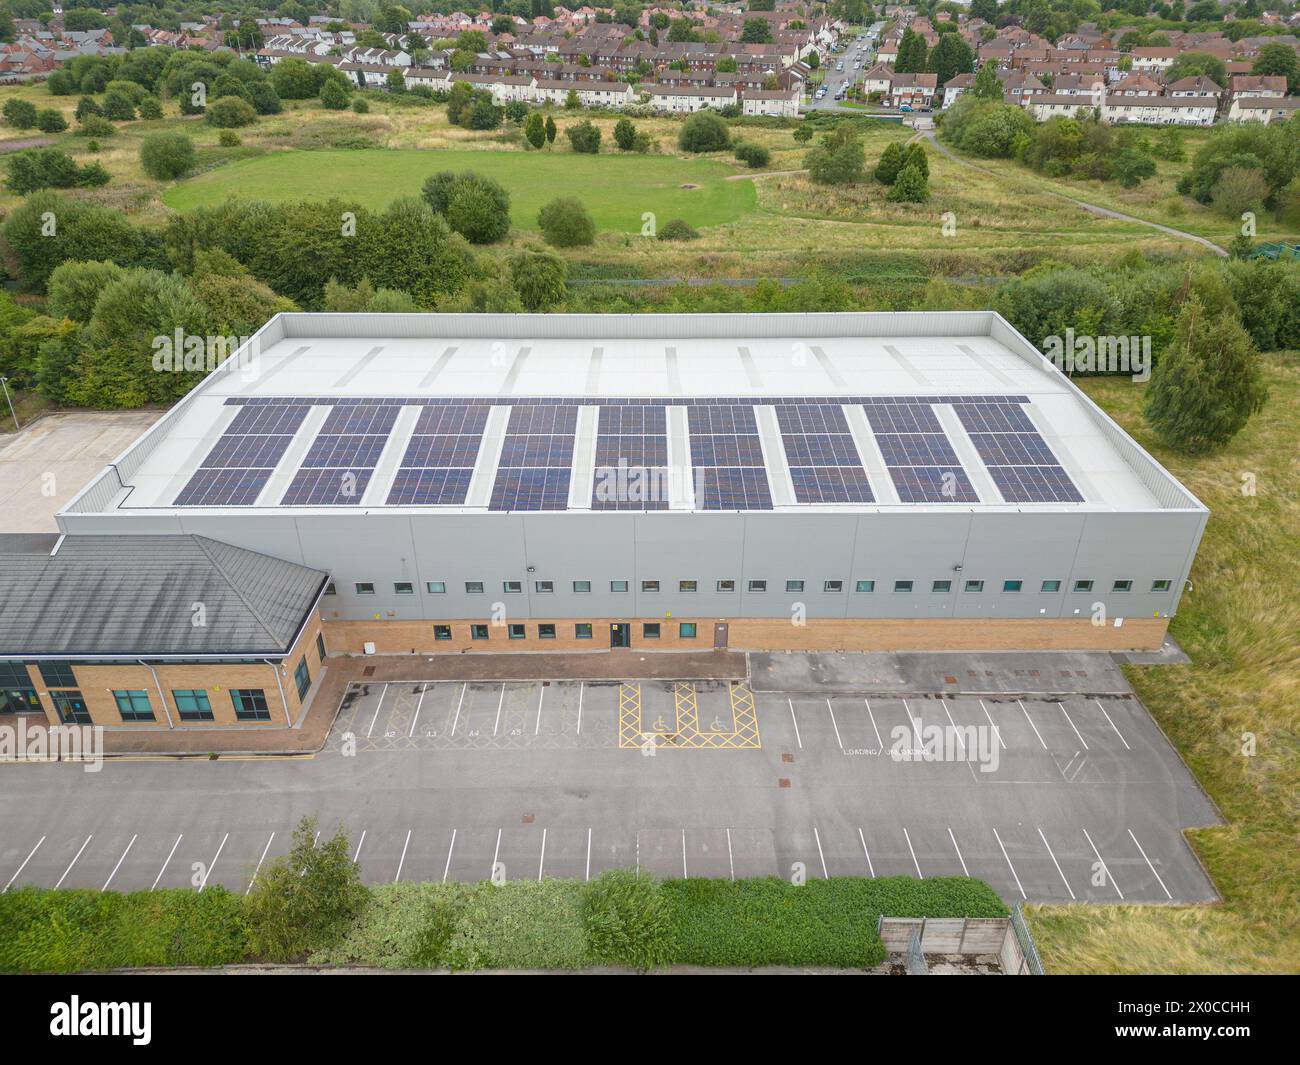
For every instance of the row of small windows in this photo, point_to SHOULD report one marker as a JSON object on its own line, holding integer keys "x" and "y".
{"x": 582, "y": 630}
{"x": 580, "y": 587}
{"x": 191, "y": 704}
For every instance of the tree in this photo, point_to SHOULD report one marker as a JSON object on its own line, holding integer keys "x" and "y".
{"x": 755, "y": 156}
{"x": 483, "y": 113}
{"x": 118, "y": 106}
{"x": 1131, "y": 167}
{"x": 950, "y": 57}
{"x": 476, "y": 207}
{"x": 333, "y": 96}
{"x": 50, "y": 168}
{"x": 410, "y": 248}
{"x": 1279, "y": 60}
{"x": 292, "y": 79}
{"x": 911, "y": 53}
{"x": 756, "y": 31}
{"x": 74, "y": 287}
{"x": 911, "y": 185}
{"x": 304, "y": 900}
{"x": 838, "y": 159}
{"x": 986, "y": 85}
{"x": 21, "y": 114}
{"x": 1197, "y": 64}
{"x": 51, "y": 121}
{"x": 584, "y": 137}
{"x": 535, "y": 129}
{"x": 1207, "y": 384}
{"x": 551, "y": 129}
{"x": 151, "y": 108}
{"x": 704, "y": 132}
{"x": 538, "y": 277}
{"x": 803, "y": 133}
{"x": 1238, "y": 190}
{"x": 165, "y": 156}
{"x": 571, "y": 101}
{"x": 624, "y": 134}
{"x": 565, "y": 223}
{"x": 891, "y": 162}
{"x": 230, "y": 112}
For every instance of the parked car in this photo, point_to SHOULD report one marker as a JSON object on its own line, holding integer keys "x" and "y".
{"x": 905, "y": 107}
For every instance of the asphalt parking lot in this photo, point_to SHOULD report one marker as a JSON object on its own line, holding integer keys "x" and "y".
{"x": 1048, "y": 799}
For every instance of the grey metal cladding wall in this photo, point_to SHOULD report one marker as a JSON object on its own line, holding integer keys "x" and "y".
{"x": 637, "y": 326}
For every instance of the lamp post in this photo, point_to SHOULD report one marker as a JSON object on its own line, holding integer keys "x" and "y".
{"x": 4, "y": 383}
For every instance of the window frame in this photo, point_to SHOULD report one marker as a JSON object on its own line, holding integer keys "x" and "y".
{"x": 403, "y": 587}
{"x": 512, "y": 587}
{"x": 516, "y": 630}
{"x": 479, "y": 630}
{"x": 974, "y": 586}
{"x": 302, "y": 677}
{"x": 435, "y": 587}
{"x": 544, "y": 587}
{"x": 1167, "y": 582}
{"x": 360, "y": 588}
{"x": 582, "y": 630}
{"x": 757, "y": 586}
{"x": 721, "y": 586}
{"x": 900, "y": 589}
{"x": 474, "y": 587}
{"x": 582, "y": 587}
{"x": 682, "y": 634}
{"x": 651, "y": 630}
{"x": 794, "y": 586}
{"x": 253, "y": 696}
{"x": 858, "y": 588}
{"x": 132, "y": 711}
{"x": 947, "y": 586}
{"x": 1082, "y": 587}
{"x": 542, "y": 633}
{"x": 649, "y": 587}
{"x": 688, "y": 587}
{"x": 192, "y": 695}
{"x": 441, "y": 632}
{"x": 1013, "y": 585}
{"x": 1045, "y": 590}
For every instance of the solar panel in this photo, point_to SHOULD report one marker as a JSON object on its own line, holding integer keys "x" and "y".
{"x": 530, "y": 489}
{"x": 247, "y": 452}
{"x": 1013, "y": 449}
{"x": 345, "y": 450}
{"x": 223, "y": 488}
{"x": 916, "y": 449}
{"x": 727, "y": 458}
{"x": 631, "y": 468}
{"x": 825, "y": 466}
{"x": 327, "y": 487}
{"x": 831, "y": 484}
{"x": 240, "y": 463}
{"x": 932, "y": 484}
{"x": 993, "y": 418}
{"x": 902, "y": 418}
{"x": 1018, "y": 459}
{"x": 536, "y": 458}
{"x": 1035, "y": 484}
{"x": 732, "y": 488}
{"x": 439, "y": 462}
{"x": 428, "y": 487}
{"x": 361, "y": 418}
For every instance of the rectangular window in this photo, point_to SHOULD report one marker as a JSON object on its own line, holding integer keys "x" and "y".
{"x": 582, "y": 586}
{"x": 649, "y": 586}
{"x": 192, "y": 704}
{"x": 1161, "y": 586}
{"x": 726, "y": 586}
{"x": 544, "y": 586}
{"x": 650, "y": 630}
{"x": 403, "y": 587}
{"x": 473, "y": 587}
{"x": 865, "y": 586}
{"x": 758, "y": 586}
{"x": 435, "y": 587}
{"x": 794, "y": 586}
{"x": 250, "y": 704}
{"x": 974, "y": 586}
{"x": 686, "y": 630}
{"x": 320, "y": 646}
{"x": 582, "y": 630}
{"x": 618, "y": 586}
{"x": 833, "y": 586}
{"x": 478, "y": 632}
{"x": 1012, "y": 586}
{"x": 365, "y": 588}
{"x": 512, "y": 586}
{"x": 1051, "y": 586}
{"x": 71, "y": 707}
{"x": 516, "y": 631}
{"x": 134, "y": 705}
{"x": 546, "y": 631}
{"x": 902, "y": 586}
{"x": 1083, "y": 586}
{"x": 1122, "y": 586}
{"x": 442, "y": 632}
{"x": 302, "y": 677}
{"x": 687, "y": 586}
{"x": 941, "y": 586}
{"x": 330, "y": 589}
{"x": 58, "y": 675}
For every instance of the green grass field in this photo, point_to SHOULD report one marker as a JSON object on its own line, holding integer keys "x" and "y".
{"x": 617, "y": 189}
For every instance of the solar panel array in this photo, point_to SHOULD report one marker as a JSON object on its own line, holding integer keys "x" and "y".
{"x": 631, "y": 459}
{"x": 824, "y": 462}
{"x": 343, "y": 456}
{"x": 1018, "y": 458}
{"x": 537, "y": 459}
{"x": 241, "y": 462}
{"x": 727, "y": 458}
{"x": 917, "y": 453}
{"x": 439, "y": 460}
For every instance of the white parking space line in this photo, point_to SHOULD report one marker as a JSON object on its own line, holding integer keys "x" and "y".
{"x": 360, "y": 844}
{"x": 684, "y": 872}
{"x": 73, "y": 862}
{"x": 378, "y": 706}
{"x": 496, "y": 725}
{"x": 208, "y": 871}
{"x": 461, "y": 702}
{"x": 416, "y": 716}
{"x": 1031, "y": 724}
{"x": 1104, "y": 867}
{"x": 796, "y": 724}
{"x": 916, "y": 728}
{"x": 880, "y": 744}
{"x": 731, "y": 861}
{"x": 919, "y": 874}
{"x": 541, "y": 859}
{"x": 128, "y": 851}
{"x": 1056, "y": 863}
{"x": 260, "y": 860}
{"x": 495, "y": 855}
{"x": 958, "y": 850}
{"x": 402, "y": 860}
{"x": 452, "y": 846}
{"x": 1076, "y": 731}
{"x": 24, "y": 865}
{"x": 588, "y": 875}
{"x": 166, "y": 862}
{"x": 1019, "y": 886}
{"x": 870, "y": 868}
{"x": 955, "y": 730}
{"x": 996, "y": 731}
{"x": 1149, "y": 865}
{"x": 541, "y": 697}
{"x": 1112, "y": 725}
{"x": 582, "y": 688}
{"x": 834, "y": 725}
{"x": 818, "y": 837}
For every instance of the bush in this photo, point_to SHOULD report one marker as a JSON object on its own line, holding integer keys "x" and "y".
{"x": 95, "y": 126}
{"x": 753, "y": 155}
{"x": 584, "y": 137}
{"x": 51, "y": 121}
{"x": 228, "y": 138}
{"x": 166, "y": 156}
{"x": 21, "y": 114}
{"x": 230, "y": 112}
{"x": 151, "y": 108}
{"x": 521, "y": 925}
{"x": 627, "y": 920}
{"x": 360, "y": 106}
{"x": 75, "y": 286}
{"x": 50, "y": 168}
{"x": 334, "y": 96}
{"x": 118, "y": 106}
{"x": 838, "y": 159}
{"x": 476, "y": 207}
{"x": 704, "y": 132}
{"x": 538, "y": 277}
{"x": 911, "y": 186}
{"x": 677, "y": 229}
{"x": 624, "y": 134}
{"x": 565, "y": 223}
{"x": 985, "y": 127}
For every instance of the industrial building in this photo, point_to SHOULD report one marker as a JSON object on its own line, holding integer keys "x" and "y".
{"x": 462, "y": 483}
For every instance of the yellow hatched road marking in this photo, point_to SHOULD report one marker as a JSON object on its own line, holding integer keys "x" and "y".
{"x": 686, "y": 734}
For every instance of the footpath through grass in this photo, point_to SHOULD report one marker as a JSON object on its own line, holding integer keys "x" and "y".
{"x": 617, "y": 189}
{"x": 1233, "y": 713}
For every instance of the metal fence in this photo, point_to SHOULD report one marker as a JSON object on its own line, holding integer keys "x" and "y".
{"x": 1033, "y": 964}
{"x": 913, "y": 958}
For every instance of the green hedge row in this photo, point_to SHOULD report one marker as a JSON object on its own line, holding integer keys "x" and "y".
{"x": 620, "y": 918}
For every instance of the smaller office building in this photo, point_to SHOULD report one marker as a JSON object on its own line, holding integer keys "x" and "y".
{"x": 171, "y": 631}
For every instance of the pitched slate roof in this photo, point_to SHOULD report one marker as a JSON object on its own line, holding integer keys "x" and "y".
{"x": 137, "y": 596}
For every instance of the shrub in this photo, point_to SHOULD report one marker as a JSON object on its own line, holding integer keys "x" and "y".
{"x": 400, "y": 926}
{"x": 166, "y": 156}
{"x": 911, "y": 186}
{"x": 95, "y": 126}
{"x": 151, "y": 108}
{"x": 476, "y": 207}
{"x": 704, "y": 132}
{"x": 538, "y": 277}
{"x": 584, "y": 137}
{"x": 333, "y": 96}
{"x": 50, "y": 168}
{"x": 266, "y": 101}
{"x": 360, "y": 106}
{"x": 838, "y": 159}
{"x": 230, "y": 112}
{"x": 75, "y": 286}
{"x": 535, "y": 129}
{"x": 21, "y": 114}
{"x": 228, "y": 138}
{"x": 565, "y": 223}
{"x": 677, "y": 229}
{"x": 753, "y": 155}
{"x": 87, "y": 106}
{"x": 627, "y": 920}
{"x": 118, "y": 106}
{"x": 520, "y": 925}
{"x": 51, "y": 121}
{"x": 624, "y": 134}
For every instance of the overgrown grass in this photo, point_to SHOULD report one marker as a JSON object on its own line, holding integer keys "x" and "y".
{"x": 1240, "y": 624}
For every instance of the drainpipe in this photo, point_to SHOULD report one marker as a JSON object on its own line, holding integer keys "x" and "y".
{"x": 158, "y": 685}
{"x": 283, "y": 701}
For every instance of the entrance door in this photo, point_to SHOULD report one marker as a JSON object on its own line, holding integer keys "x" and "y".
{"x": 720, "y": 634}
{"x": 71, "y": 707}
{"x": 620, "y": 634}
